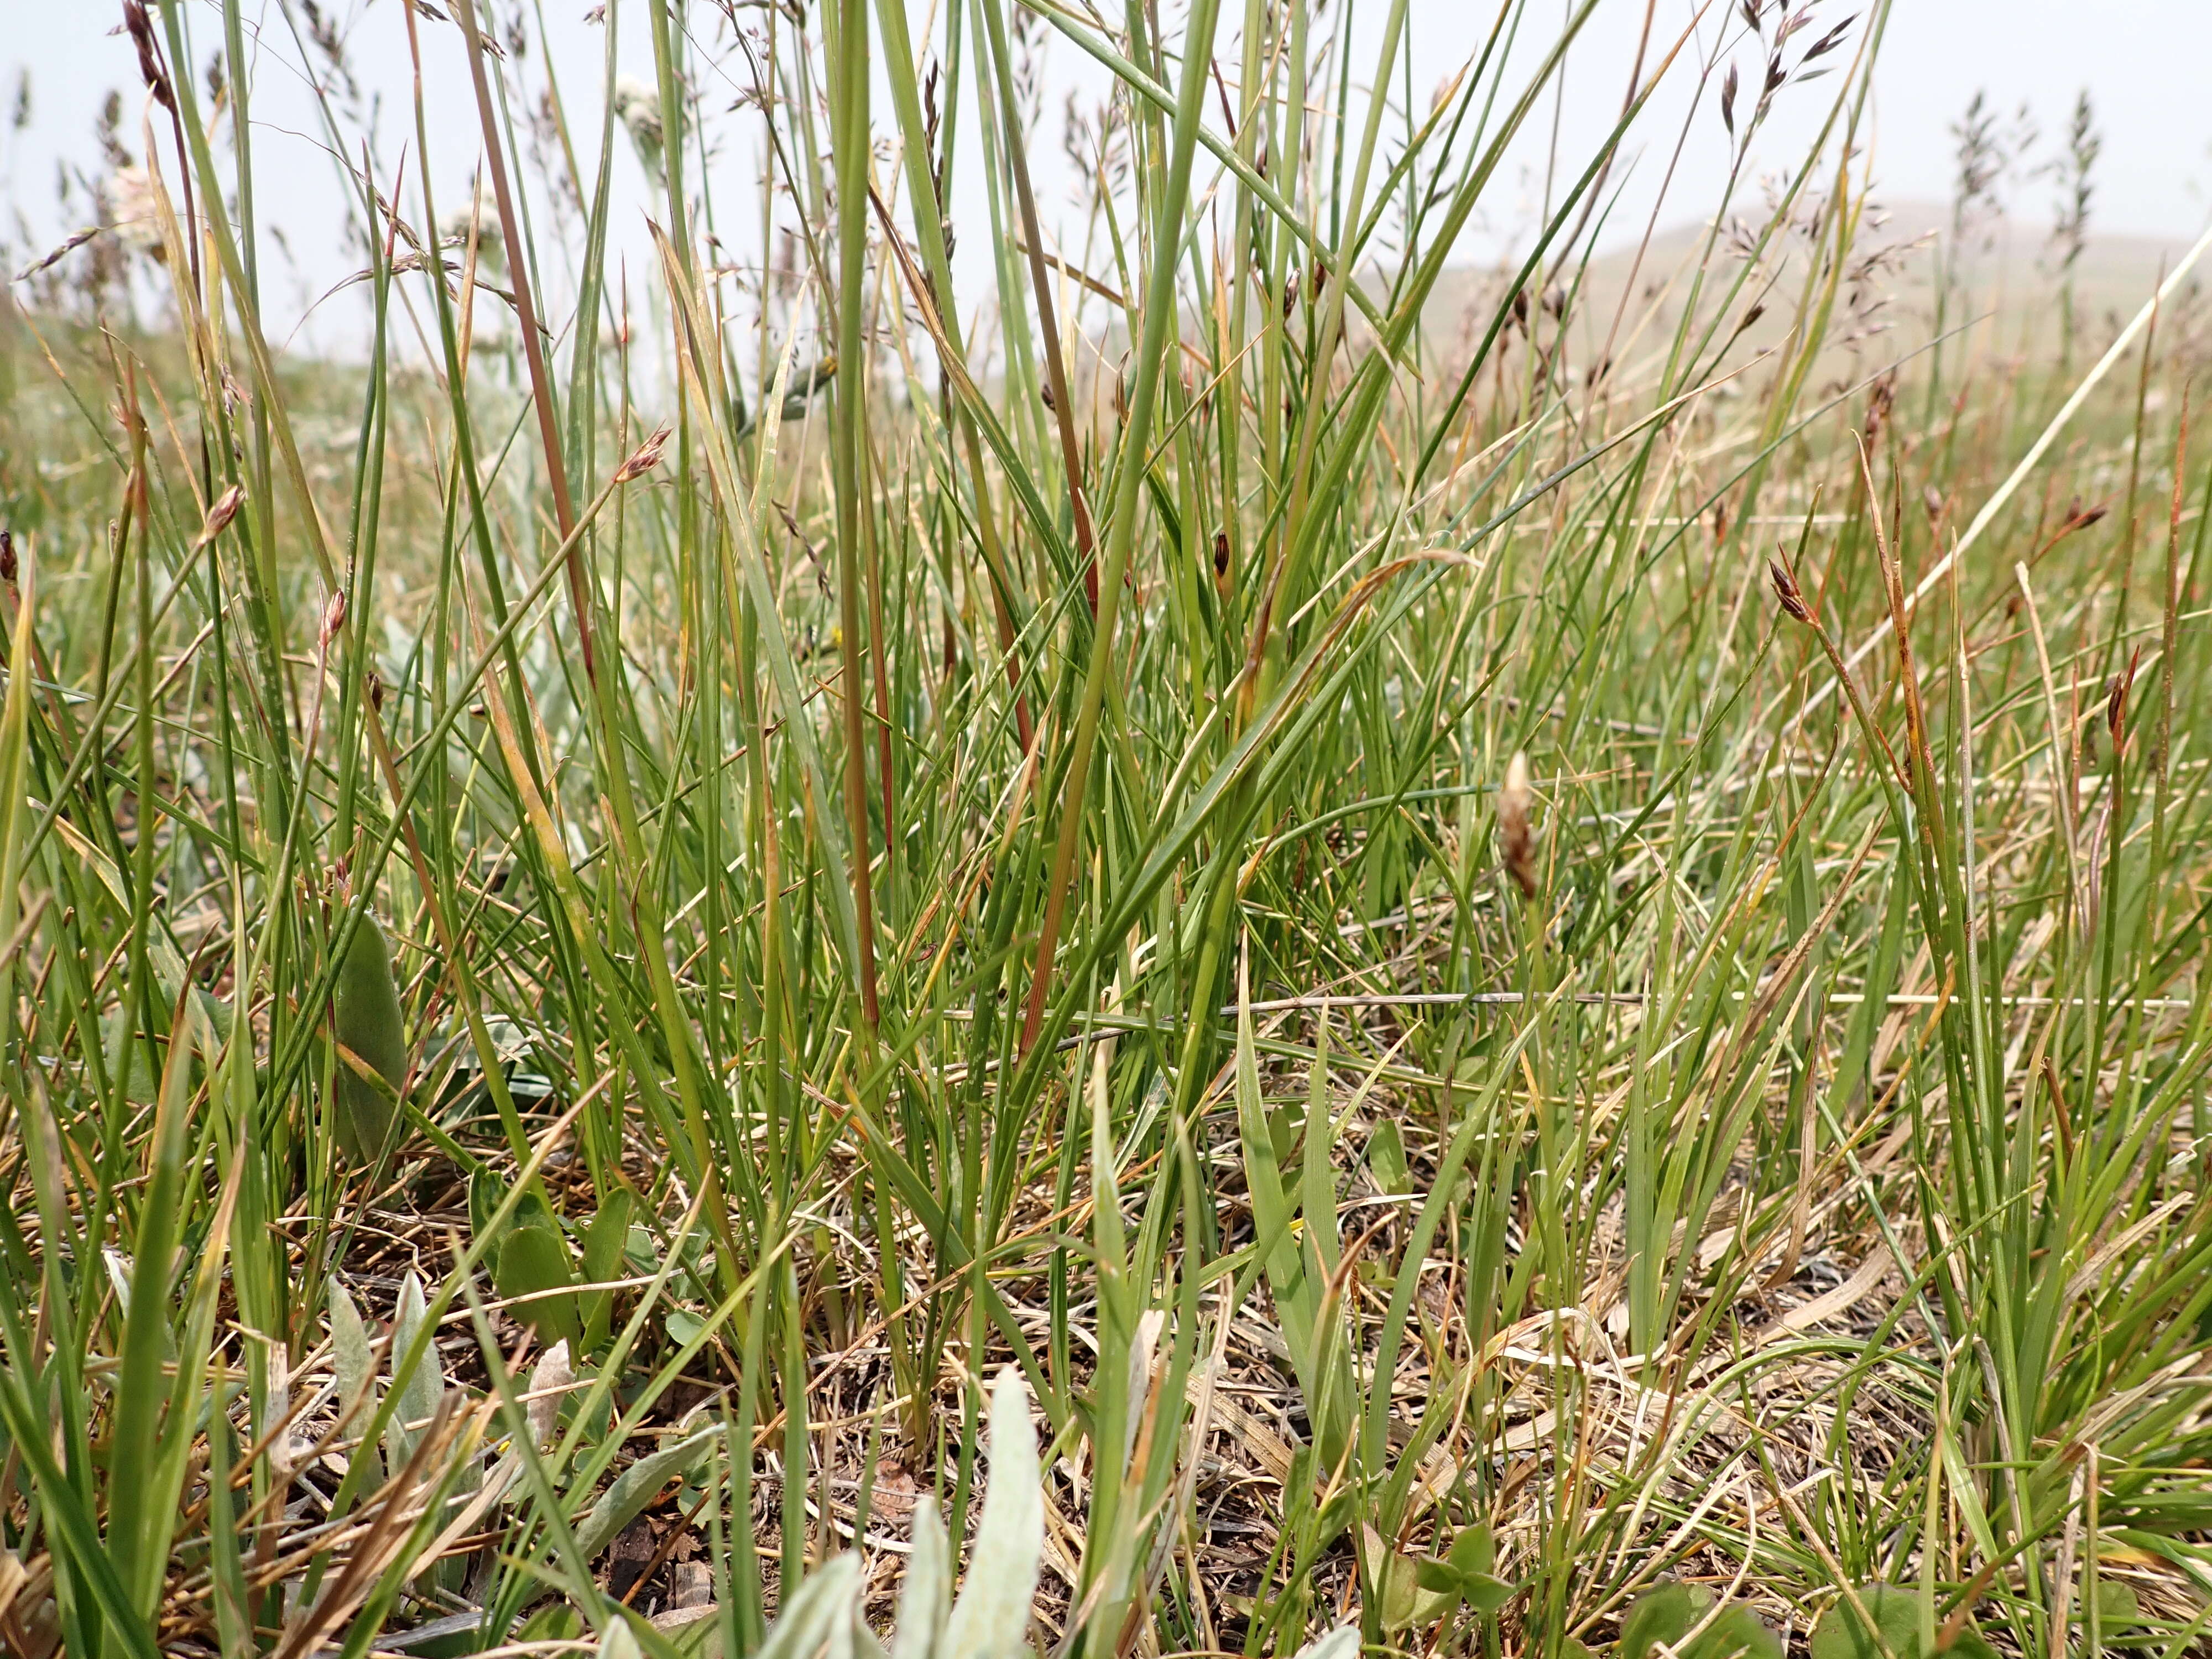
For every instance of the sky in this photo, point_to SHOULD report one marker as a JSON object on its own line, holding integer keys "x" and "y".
{"x": 2142, "y": 62}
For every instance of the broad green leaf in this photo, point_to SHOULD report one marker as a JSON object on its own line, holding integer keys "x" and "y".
{"x": 1395, "y": 1589}
{"x": 1666, "y": 1614}
{"x": 365, "y": 1018}
{"x": 487, "y": 1192}
{"x": 1670, "y": 1612}
{"x": 533, "y": 1263}
{"x": 1842, "y": 1634}
{"x": 1736, "y": 1633}
{"x": 635, "y": 1487}
{"x": 1386, "y": 1158}
{"x": 2118, "y": 1607}
{"x": 604, "y": 1241}
{"x": 558, "y": 1622}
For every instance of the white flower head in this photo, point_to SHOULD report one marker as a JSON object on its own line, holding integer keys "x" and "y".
{"x": 137, "y": 217}
{"x": 637, "y": 107}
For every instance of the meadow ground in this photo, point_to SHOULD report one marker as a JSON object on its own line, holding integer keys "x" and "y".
{"x": 1531, "y": 966}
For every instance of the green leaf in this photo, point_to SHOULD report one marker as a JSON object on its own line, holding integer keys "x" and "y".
{"x": 487, "y": 1192}
{"x": 2118, "y": 1607}
{"x": 1386, "y": 1158}
{"x": 682, "y": 1327}
{"x": 1667, "y": 1613}
{"x": 1841, "y": 1634}
{"x": 635, "y": 1487}
{"x": 1462, "y": 1575}
{"x": 1473, "y": 1553}
{"x": 1414, "y": 1591}
{"x": 558, "y": 1622}
{"x": 1737, "y": 1634}
{"x": 1398, "y": 1589}
{"x": 1484, "y": 1595}
{"x": 365, "y": 1018}
{"x": 534, "y": 1262}
{"x": 1670, "y": 1612}
{"x": 604, "y": 1243}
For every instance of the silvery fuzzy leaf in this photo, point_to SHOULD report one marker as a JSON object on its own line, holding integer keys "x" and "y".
{"x": 830, "y": 1597}
{"x": 1342, "y": 1642}
{"x": 842, "y": 1623}
{"x": 991, "y": 1620}
{"x": 422, "y": 1388}
{"x": 619, "y": 1643}
{"x": 352, "y": 1356}
{"x": 926, "y": 1597}
{"x": 634, "y": 1488}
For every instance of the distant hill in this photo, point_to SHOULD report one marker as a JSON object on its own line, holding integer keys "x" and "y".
{"x": 2005, "y": 280}
{"x": 2005, "y": 273}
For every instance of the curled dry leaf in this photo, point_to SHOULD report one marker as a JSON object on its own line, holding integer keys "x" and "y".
{"x": 549, "y": 1380}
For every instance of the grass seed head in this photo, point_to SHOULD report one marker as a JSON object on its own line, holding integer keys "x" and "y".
{"x": 2116, "y": 701}
{"x": 141, "y": 29}
{"x": 1787, "y": 590}
{"x": 1517, "y": 839}
{"x": 1880, "y": 399}
{"x": 221, "y": 513}
{"x": 645, "y": 458}
{"x": 2079, "y": 517}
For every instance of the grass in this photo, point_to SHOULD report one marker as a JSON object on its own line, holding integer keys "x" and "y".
{"x": 1507, "y": 959}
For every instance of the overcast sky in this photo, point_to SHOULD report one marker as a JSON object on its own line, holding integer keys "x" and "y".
{"x": 2143, "y": 63}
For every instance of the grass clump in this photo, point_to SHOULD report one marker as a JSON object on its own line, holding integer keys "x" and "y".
{"x": 1523, "y": 947}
